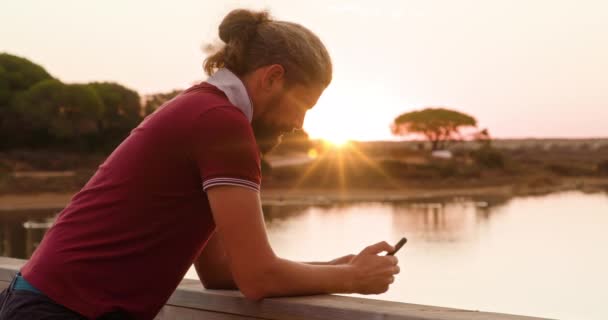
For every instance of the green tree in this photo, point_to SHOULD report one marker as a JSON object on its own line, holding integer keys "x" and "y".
{"x": 438, "y": 125}
{"x": 122, "y": 110}
{"x": 16, "y": 75}
{"x": 59, "y": 114}
{"x": 5, "y": 91}
{"x": 154, "y": 101}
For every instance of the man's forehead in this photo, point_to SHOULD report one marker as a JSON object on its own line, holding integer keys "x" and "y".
{"x": 307, "y": 95}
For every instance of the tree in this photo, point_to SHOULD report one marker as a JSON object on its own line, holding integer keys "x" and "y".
{"x": 16, "y": 75}
{"x": 155, "y": 101}
{"x": 438, "y": 125}
{"x": 483, "y": 137}
{"x": 44, "y": 111}
{"x": 5, "y": 91}
{"x": 122, "y": 110}
{"x": 57, "y": 113}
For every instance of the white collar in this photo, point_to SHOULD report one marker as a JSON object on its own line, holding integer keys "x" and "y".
{"x": 234, "y": 89}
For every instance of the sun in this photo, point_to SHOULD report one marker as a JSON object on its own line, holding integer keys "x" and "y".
{"x": 337, "y": 142}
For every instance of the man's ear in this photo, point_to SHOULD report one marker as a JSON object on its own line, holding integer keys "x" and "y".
{"x": 275, "y": 75}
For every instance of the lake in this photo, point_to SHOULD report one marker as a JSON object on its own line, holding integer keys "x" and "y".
{"x": 541, "y": 256}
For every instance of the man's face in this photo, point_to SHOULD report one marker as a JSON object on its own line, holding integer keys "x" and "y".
{"x": 284, "y": 112}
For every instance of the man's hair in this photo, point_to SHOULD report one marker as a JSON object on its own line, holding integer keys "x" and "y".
{"x": 253, "y": 40}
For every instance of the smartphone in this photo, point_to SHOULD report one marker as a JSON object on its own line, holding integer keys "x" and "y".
{"x": 398, "y": 246}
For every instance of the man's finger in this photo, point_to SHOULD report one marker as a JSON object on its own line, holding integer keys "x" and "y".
{"x": 378, "y": 248}
{"x": 396, "y": 270}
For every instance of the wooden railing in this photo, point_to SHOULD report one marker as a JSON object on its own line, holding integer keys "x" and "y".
{"x": 192, "y": 301}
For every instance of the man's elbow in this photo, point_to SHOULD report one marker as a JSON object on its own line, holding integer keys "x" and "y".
{"x": 211, "y": 285}
{"x": 257, "y": 285}
{"x": 253, "y": 294}
{"x": 255, "y": 290}
{"x": 253, "y": 285}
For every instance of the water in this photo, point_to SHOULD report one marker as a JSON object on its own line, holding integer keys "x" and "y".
{"x": 540, "y": 256}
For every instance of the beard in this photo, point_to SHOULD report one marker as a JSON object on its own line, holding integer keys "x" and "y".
{"x": 266, "y": 135}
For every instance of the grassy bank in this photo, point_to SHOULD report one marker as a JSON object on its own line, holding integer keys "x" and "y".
{"x": 362, "y": 170}
{"x": 307, "y": 196}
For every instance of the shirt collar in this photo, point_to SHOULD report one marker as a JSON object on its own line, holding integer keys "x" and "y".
{"x": 234, "y": 89}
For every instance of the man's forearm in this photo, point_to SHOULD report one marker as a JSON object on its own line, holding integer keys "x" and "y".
{"x": 221, "y": 279}
{"x": 290, "y": 278}
{"x": 341, "y": 260}
{"x": 318, "y": 263}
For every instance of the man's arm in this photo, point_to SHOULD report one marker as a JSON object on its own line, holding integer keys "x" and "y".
{"x": 259, "y": 273}
{"x": 224, "y": 149}
{"x": 213, "y": 267}
{"x": 341, "y": 260}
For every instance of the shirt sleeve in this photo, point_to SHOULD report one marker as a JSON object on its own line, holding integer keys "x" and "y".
{"x": 225, "y": 150}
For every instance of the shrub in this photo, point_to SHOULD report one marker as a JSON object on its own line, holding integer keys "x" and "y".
{"x": 602, "y": 167}
{"x": 488, "y": 157}
{"x": 266, "y": 167}
{"x": 569, "y": 169}
{"x": 5, "y": 170}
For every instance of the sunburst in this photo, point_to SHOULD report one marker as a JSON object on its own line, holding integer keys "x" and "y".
{"x": 342, "y": 153}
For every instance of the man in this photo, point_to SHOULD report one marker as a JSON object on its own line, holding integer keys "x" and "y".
{"x": 183, "y": 188}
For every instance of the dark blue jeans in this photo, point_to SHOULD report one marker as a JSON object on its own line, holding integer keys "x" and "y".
{"x": 24, "y": 304}
{"x": 18, "y": 304}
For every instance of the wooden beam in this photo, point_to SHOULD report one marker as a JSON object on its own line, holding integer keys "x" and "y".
{"x": 191, "y": 301}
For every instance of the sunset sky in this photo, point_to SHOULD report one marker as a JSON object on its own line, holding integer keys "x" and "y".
{"x": 523, "y": 68}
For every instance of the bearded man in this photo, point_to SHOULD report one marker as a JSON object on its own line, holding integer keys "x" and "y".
{"x": 183, "y": 189}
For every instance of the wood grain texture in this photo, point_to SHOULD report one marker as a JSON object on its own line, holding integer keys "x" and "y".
{"x": 191, "y": 301}
{"x": 172, "y": 312}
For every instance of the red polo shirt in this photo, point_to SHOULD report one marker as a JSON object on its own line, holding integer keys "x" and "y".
{"x": 128, "y": 237}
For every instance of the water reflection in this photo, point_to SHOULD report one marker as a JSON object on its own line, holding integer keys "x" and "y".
{"x": 274, "y": 214}
{"x": 443, "y": 220}
{"x": 22, "y": 231}
{"x": 434, "y": 220}
{"x": 523, "y": 255}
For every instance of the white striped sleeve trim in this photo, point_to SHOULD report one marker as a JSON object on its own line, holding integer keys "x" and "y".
{"x": 231, "y": 182}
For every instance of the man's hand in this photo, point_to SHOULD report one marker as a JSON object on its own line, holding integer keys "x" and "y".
{"x": 373, "y": 274}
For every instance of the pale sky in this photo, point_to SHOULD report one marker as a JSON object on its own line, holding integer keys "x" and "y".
{"x": 523, "y": 68}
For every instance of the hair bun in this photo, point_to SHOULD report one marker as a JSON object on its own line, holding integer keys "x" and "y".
{"x": 241, "y": 24}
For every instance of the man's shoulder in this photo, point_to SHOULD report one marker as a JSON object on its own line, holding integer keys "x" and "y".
{"x": 205, "y": 89}
{"x": 209, "y": 101}
{"x": 201, "y": 102}
{"x": 202, "y": 96}
{"x": 223, "y": 122}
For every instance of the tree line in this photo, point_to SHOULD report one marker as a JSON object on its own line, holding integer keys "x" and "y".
{"x": 38, "y": 110}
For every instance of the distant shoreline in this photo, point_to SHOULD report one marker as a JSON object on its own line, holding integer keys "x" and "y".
{"x": 46, "y": 201}
{"x": 329, "y": 196}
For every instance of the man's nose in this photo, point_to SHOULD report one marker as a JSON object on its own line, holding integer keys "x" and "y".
{"x": 300, "y": 119}
{"x": 299, "y": 122}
